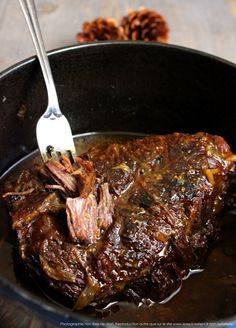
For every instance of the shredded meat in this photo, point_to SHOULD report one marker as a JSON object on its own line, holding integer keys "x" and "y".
{"x": 85, "y": 216}
{"x": 105, "y": 207}
{"x": 60, "y": 174}
{"x": 82, "y": 218}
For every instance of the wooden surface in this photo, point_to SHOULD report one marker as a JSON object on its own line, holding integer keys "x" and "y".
{"x": 208, "y": 25}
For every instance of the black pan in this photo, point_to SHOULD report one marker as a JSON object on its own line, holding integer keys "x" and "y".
{"x": 114, "y": 86}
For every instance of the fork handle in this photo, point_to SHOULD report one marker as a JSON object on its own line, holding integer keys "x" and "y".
{"x": 30, "y": 13}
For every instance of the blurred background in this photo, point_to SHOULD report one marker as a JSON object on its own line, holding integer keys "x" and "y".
{"x": 207, "y": 25}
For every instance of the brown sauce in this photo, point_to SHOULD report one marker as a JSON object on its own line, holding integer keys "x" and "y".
{"x": 206, "y": 296}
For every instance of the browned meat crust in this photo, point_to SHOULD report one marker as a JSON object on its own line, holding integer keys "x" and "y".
{"x": 126, "y": 219}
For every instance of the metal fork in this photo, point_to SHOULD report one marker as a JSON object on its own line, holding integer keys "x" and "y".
{"x": 53, "y": 131}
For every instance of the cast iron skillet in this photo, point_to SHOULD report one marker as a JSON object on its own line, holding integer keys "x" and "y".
{"x": 114, "y": 86}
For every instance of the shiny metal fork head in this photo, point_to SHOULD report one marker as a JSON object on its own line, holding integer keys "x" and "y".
{"x": 55, "y": 138}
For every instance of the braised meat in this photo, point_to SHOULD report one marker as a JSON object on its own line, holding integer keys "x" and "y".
{"x": 126, "y": 220}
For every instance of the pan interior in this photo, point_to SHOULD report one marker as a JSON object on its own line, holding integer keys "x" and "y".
{"x": 207, "y": 296}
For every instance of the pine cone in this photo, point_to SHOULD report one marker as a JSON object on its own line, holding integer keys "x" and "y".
{"x": 100, "y": 29}
{"x": 146, "y": 25}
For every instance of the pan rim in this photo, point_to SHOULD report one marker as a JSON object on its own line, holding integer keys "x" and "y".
{"x": 11, "y": 69}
